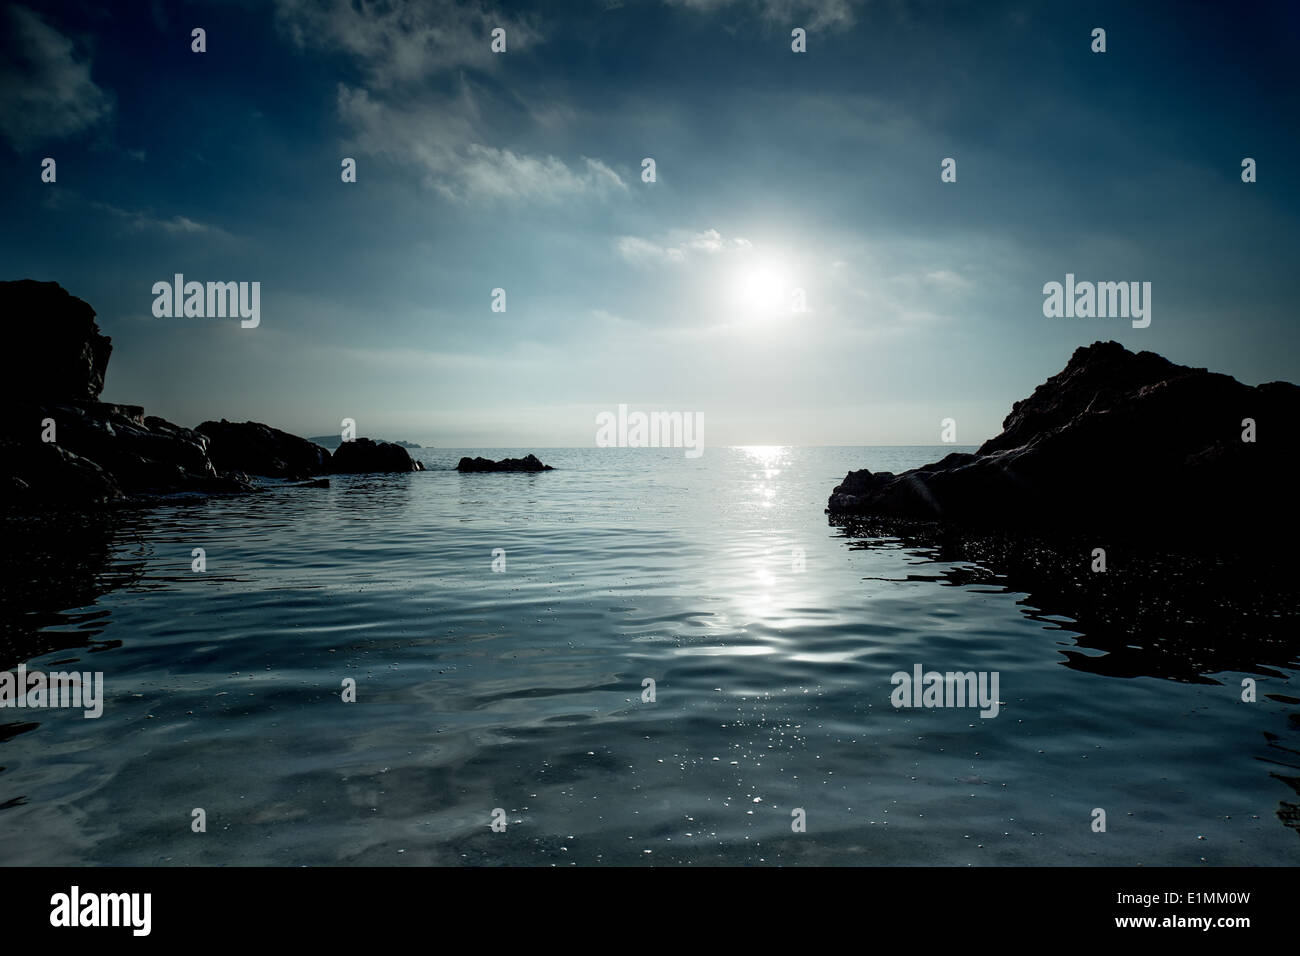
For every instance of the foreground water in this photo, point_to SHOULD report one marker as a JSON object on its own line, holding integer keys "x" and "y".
{"x": 771, "y": 637}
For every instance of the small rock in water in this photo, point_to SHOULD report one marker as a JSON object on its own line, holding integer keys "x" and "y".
{"x": 527, "y": 463}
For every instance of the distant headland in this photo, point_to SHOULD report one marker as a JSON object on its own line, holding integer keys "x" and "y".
{"x": 333, "y": 441}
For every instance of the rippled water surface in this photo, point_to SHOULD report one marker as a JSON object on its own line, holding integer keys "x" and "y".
{"x": 771, "y": 636}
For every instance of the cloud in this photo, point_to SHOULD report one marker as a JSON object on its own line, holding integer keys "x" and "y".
{"x": 501, "y": 174}
{"x": 643, "y": 252}
{"x": 45, "y": 91}
{"x": 407, "y": 54}
{"x": 607, "y": 318}
{"x": 403, "y": 43}
{"x": 439, "y": 139}
{"x": 810, "y": 14}
{"x": 946, "y": 278}
{"x": 675, "y": 248}
{"x": 175, "y": 226}
{"x": 708, "y": 241}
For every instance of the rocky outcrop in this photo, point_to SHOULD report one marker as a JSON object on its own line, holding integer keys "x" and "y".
{"x": 61, "y": 446}
{"x": 364, "y": 455}
{"x": 262, "y": 450}
{"x": 1117, "y": 439}
{"x": 53, "y": 349}
{"x": 527, "y": 463}
{"x": 99, "y": 453}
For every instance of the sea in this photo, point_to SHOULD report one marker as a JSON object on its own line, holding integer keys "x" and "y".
{"x": 639, "y": 658}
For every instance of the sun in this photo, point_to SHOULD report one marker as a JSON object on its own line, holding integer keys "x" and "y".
{"x": 761, "y": 290}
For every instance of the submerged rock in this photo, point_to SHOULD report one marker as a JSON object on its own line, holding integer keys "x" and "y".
{"x": 262, "y": 450}
{"x": 1116, "y": 439}
{"x": 527, "y": 463}
{"x": 362, "y": 455}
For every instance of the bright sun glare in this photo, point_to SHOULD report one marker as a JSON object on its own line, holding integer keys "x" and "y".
{"x": 761, "y": 291}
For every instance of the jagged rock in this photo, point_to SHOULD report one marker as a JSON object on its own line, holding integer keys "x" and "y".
{"x": 45, "y": 472}
{"x": 528, "y": 463}
{"x": 53, "y": 372}
{"x": 262, "y": 450}
{"x": 1115, "y": 439}
{"x": 86, "y": 466}
{"x": 101, "y": 454}
{"x": 53, "y": 349}
{"x": 363, "y": 455}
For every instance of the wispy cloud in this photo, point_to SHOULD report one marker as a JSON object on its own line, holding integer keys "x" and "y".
{"x": 398, "y": 44}
{"x": 439, "y": 139}
{"x": 397, "y": 112}
{"x": 810, "y": 14}
{"x": 137, "y": 221}
{"x": 46, "y": 92}
{"x": 675, "y": 248}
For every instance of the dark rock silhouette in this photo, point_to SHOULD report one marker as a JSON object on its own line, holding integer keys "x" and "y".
{"x": 62, "y": 447}
{"x": 52, "y": 342}
{"x": 1115, "y": 439}
{"x": 262, "y": 450}
{"x": 333, "y": 441}
{"x": 102, "y": 453}
{"x": 363, "y": 455}
{"x": 527, "y": 463}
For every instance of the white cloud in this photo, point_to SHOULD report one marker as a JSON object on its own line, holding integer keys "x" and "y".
{"x": 501, "y": 174}
{"x": 643, "y": 252}
{"x": 45, "y": 91}
{"x": 440, "y": 141}
{"x": 396, "y": 115}
{"x": 708, "y": 241}
{"x": 176, "y": 225}
{"x": 676, "y": 247}
{"x": 403, "y": 43}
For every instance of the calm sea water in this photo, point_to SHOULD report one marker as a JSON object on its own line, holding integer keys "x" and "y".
{"x": 770, "y": 634}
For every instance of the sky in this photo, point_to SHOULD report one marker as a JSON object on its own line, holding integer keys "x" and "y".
{"x": 777, "y": 174}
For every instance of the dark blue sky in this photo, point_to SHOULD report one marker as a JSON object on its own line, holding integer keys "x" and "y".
{"x": 776, "y": 171}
